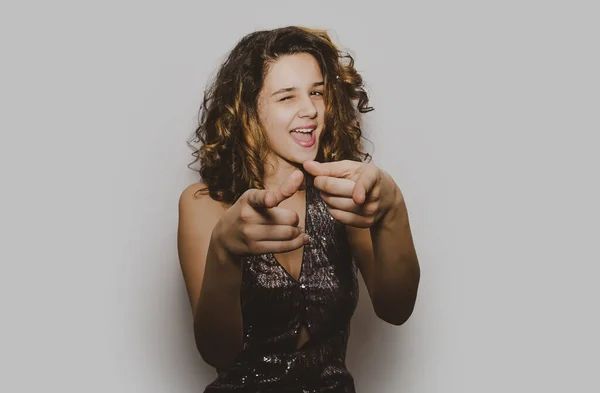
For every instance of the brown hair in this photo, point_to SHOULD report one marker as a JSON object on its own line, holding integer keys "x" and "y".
{"x": 233, "y": 146}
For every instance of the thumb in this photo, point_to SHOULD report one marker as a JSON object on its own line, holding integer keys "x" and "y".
{"x": 290, "y": 186}
{"x": 334, "y": 168}
{"x": 261, "y": 199}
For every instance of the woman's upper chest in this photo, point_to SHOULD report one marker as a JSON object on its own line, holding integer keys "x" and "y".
{"x": 292, "y": 261}
{"x": 322, "y": 267}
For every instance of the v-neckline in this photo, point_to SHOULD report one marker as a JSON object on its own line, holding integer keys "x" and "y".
{"x": 304, "y": 248}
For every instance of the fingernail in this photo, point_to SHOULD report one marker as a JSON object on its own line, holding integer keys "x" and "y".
{"x": 306, "y": 239}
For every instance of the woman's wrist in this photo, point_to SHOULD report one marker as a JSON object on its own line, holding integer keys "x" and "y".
{"x": 219, "y": 247}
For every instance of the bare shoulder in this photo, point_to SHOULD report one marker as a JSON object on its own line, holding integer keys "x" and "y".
{"x": 196, "y": 205}
{"x": 196, "y": 196}
{"x": 198, "y": 215}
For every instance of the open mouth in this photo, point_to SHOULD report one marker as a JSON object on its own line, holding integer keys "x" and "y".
{"x": 305, "y": 137}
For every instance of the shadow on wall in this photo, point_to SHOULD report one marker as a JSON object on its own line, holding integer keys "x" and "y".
{"x": 372, "y": 342}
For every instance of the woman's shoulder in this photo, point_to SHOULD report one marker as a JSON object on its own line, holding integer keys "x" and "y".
{"x": 195, "y": 197}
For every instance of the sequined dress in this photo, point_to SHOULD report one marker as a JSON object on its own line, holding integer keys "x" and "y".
{"x": 275, "y": 306}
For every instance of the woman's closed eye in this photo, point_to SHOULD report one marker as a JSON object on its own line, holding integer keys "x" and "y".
{"x": 320, "y": 93}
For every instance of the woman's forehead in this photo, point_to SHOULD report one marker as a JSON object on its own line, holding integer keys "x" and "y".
{"x": 293, "y": 71}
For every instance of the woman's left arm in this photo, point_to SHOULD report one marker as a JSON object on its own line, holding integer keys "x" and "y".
{"x": 370, "y": 203}
{"x": 386, "y": 256}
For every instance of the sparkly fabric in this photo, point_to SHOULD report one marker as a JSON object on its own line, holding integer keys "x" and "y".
{"x": 275, "y": 306}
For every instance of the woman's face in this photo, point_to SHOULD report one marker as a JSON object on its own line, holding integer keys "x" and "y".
{"x": 291, "y": 108}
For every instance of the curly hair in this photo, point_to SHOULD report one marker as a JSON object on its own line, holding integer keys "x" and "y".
{"x": 232, "y": 143}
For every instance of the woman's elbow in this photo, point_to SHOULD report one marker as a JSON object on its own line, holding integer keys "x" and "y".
{"x": 396, "y": 312}
{"x": 396, "y": 317}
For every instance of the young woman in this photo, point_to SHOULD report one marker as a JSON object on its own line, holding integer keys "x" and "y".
{"x": 288, "y": 211}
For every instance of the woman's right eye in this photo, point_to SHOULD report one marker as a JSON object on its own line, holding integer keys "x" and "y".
{"x": 286, "y": 98}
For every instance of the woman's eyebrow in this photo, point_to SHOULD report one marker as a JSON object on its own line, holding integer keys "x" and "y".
{"x": 288, "y": 89}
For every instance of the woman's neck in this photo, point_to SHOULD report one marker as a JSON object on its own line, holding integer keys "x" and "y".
{"x": 276, "y": 171}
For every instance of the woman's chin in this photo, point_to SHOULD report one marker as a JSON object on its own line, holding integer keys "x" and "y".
{"x": 300, "y": 159}
{"x": 297, "y": 158}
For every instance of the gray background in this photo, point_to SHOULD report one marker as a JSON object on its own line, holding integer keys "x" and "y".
{"x": 486, "y": 116}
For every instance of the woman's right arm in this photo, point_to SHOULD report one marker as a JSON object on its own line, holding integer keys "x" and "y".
{"x": 211, "y": 241}
{"x": 212, "y": 277}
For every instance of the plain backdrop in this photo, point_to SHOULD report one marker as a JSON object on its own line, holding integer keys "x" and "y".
{"x": 486, "y": 115}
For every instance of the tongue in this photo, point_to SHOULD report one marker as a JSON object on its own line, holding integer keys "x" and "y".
{"x": 305, "y": 137}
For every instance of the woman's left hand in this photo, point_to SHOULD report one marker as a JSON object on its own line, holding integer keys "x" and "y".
{"x": 357, "y": 194}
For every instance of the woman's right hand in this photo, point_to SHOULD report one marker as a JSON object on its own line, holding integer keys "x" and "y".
{"x": 255, "y": 224}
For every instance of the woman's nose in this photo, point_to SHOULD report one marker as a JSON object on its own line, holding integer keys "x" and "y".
{"x": 308, "y": 108}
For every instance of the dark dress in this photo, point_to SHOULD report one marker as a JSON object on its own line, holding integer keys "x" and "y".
{"x": 275, "y": 306}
